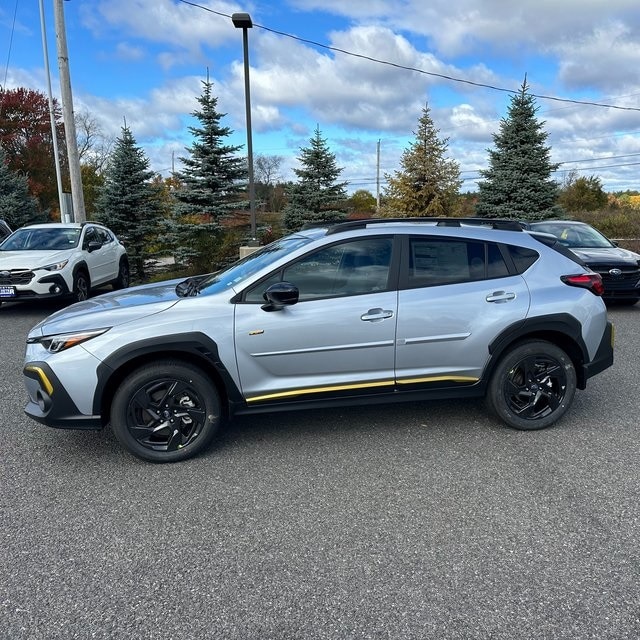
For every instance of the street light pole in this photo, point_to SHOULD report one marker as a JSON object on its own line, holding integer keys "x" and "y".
{"x": 243, "y": 21}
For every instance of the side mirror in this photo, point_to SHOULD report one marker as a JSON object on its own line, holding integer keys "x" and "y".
{"x": 94, "y": 245}
{"x": 279, "y": 295}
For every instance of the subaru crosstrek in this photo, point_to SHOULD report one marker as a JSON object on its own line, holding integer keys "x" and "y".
{"x": 359, "y": 312}
{"x": 60, "y": 260}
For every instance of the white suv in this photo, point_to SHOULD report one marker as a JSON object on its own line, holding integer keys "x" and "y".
{"x": 56, "y": 260}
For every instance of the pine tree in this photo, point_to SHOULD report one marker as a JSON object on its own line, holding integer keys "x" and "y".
{"x": 428, "y": 183}
{"x": 517, "y": 183}
{"x": 316, "y": 197}
{"x": 17, "y": 206}
{"x": 128, "y": 201}
{"x": 210, "y": 184}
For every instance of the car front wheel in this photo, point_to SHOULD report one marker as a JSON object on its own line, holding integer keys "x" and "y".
{"x": 166, "y": 412}
{"x": 532, "y": 386}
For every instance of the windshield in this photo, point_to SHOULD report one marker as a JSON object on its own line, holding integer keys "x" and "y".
{"x": 577, "y": 236}
{"x": 256, "y": 261}
{"x": 41, "y": 240}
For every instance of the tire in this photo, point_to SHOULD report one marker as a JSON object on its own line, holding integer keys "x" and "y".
{"x": 122, "y": 281}
{"x": 166, "y": 411}
{"x": 532, "y": 386}
{"x": 81, "y": 287}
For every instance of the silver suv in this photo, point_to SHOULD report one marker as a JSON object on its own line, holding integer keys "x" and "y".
{"x": 360, "y": 312}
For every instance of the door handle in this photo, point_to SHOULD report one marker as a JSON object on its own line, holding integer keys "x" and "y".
{"x": 375, "y": 315}
{"x": 501, "y": 296}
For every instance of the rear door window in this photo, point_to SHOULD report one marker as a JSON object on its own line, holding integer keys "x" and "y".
{"x": 437, "y": 261}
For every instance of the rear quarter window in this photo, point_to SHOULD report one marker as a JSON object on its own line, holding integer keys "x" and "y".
{"x": 553, "y": 243}
{"x": 522, "y": 257}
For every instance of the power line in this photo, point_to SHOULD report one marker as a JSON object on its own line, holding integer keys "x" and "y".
{"x": 417, "y": 70}
{"x": 13, "y": 28}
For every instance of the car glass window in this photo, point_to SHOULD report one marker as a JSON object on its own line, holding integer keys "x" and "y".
{"x": 254, "y": 262}
{"x": 522, "y": 257}
{"x": 436, "y": 261}
{"x": 349, "y": 268}
{"x": 89, "y": 236}
{"x": 103, "y": 236}
{"x": 496, "y": 266}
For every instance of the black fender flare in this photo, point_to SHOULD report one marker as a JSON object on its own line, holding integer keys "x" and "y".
{"x": 561, "y": 329}
{"x": 194, "y": 347}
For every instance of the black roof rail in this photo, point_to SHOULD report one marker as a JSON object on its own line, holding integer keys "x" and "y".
{"x": 495, "y": 223}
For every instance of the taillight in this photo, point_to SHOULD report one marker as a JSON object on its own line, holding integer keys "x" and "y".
{"x": 591, "y": 281}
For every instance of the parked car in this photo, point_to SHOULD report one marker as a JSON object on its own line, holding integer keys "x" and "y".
{"x": 57, "y": 260}
{"x": 5, "y": 230}
{"x": 360, "y": 312}
{"x": 619, "y": 268}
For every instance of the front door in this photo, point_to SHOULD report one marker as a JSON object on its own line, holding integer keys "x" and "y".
{"x": 339, "y": 339}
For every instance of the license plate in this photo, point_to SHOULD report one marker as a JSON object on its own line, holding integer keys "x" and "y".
{"x": 7, "y": 292}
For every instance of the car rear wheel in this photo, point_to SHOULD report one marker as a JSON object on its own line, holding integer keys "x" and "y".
{"x": 81, "y": 287}
{"x": 532, "y": 386}
{"x": 166, "y": 412}
{"x": 122, "y": 281}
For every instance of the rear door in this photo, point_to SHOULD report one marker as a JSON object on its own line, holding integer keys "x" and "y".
{"x": 455, "y": 297}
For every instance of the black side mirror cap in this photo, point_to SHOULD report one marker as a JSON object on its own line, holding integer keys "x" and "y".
{"x": 279, "y": 295}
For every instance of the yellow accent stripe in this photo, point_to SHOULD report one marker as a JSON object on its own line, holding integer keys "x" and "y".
{"x": 438, "y": 379}
{"x": 348, "y": 387}
{"x": 48, "y": 387}
{"x": 342, "y": 387}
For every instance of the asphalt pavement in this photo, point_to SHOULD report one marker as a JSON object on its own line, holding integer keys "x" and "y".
{"x": 422, "y": 521}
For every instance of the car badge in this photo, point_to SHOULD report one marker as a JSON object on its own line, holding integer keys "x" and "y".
{"x": 616, "y": 273}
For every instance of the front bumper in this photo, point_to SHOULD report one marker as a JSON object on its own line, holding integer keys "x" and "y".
{"x": 50, "y": 404}
{"x": 47, "y": 288}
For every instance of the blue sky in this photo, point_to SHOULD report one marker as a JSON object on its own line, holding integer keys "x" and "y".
{"x": 144, "y": 60}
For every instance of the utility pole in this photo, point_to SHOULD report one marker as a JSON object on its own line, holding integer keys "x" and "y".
{"x": 54, "y": 134}
{"x": 77, "y": 196}
{"x": 378, "y": 179}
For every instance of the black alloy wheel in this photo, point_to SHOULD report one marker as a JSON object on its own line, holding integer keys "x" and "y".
{"x": 533, "y": 386}
{"x": 166, "y": 412}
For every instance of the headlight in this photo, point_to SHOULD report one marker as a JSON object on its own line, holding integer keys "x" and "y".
{"x": 62, "y": 341}
{"x": 56, "y": 266}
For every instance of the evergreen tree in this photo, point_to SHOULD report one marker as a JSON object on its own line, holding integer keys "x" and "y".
{"x": 517, "y": 183}
{"x": 17, "y": 205}
{"x": 128, "y": 201}
{"x": 428, "y": 182}
{"x": 210, "y": 184}
{"x": 316, "y": 197}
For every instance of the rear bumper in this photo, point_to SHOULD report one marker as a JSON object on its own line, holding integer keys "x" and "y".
{"x": 604, "y": 356}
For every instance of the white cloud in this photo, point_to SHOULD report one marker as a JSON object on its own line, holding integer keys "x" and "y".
{"x": 164, "y": 21}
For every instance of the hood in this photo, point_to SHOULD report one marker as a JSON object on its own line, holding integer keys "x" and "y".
{"x": 606, "y": 255}
{"x": 112, "y": 309}
{"x": 30, "y": 259}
